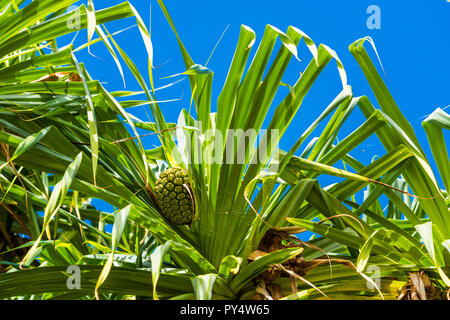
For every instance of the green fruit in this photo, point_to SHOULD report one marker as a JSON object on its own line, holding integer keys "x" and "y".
{"x": 174, "y": 196}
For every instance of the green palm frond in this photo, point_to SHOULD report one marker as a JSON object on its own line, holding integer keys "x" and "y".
{"x": 73, "y": 141}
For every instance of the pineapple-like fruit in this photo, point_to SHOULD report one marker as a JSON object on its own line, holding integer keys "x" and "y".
{"x": 174, "y": 196}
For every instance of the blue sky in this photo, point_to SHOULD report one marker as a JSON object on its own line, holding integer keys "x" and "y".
{"x": 413, "y": 43}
